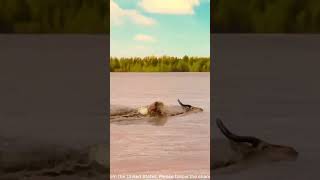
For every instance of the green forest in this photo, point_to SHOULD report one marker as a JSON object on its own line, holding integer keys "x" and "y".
{"x": 160, "y": 64}
{"x": 265, "y": 16}
{"x": 92, "y": 16}
{"x": 54, "y": 16}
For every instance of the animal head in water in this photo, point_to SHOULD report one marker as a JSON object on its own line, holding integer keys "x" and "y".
{"x": 156, "y": 109}
{"x": 253, "y": 148}
{"x": 188, "y": 107}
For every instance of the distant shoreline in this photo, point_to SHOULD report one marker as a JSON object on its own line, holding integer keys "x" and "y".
{"x": 160, "y": 64}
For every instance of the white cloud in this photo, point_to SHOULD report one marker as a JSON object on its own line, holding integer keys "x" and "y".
{"x": 169, "y": 6}
{"x": 144, "y": 38}
{"x": 118, "y": 16}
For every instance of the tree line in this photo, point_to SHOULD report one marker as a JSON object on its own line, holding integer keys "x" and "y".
{"x": 92, "y": 16}
{"x": 265, "y": 16}
{"x": 160, "y": 64}
{"x": 54, "y": 16}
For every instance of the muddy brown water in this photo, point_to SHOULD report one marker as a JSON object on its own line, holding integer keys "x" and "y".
{"x": 268, "y": 86}
{"x": 178, "y": 146}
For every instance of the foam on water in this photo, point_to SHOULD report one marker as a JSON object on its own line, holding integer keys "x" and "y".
{"x": 30, "y": 158}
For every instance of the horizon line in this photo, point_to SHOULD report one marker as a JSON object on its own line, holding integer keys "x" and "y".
{"x": 119, "y": 57}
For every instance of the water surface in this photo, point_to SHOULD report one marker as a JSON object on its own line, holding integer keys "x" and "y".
{"x": 268, "y": 86}
{"x": 178, "y": 146}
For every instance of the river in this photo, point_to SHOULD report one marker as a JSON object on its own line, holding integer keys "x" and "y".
{"x": 178, "y": 146}
{"x": 268, "y": 86}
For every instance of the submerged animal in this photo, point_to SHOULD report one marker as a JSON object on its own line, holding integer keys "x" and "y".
{"x": 186, "y": 107}
{"x": 242, "y": 152}
{"x": 155, "y": 110}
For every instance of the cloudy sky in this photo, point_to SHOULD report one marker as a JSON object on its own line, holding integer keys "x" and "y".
{"x": 160, "y": 27}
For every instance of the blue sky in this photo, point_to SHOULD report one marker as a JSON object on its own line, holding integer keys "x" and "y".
{"x": 160, "y": 27}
